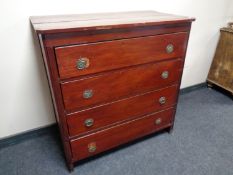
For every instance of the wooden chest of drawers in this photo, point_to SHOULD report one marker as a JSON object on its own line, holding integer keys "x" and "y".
{"x": 113, "y": 77}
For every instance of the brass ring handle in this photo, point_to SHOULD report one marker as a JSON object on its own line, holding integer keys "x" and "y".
{"x": 91, "y": 147}
{"x": 170, "y": 48}
{"x": 162, "y": 100}
{"x": 165, "y": 74}
{"x": 89, "y": 122}
{"x": 158, "y": 121}
{"x": 87, "y": 93}
{"x": 82, "y": 63}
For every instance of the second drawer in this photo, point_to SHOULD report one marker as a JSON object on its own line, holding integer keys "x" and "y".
{"x": 95, "y": 118}
{"x": 117, "y": 85}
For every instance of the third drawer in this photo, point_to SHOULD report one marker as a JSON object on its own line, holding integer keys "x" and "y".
{"x": 95, "y": 118}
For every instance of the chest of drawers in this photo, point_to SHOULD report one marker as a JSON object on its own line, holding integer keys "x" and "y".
{"x": 113, "y": 77}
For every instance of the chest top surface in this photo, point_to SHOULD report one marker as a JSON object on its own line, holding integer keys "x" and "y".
{"x": 82, "y": 22}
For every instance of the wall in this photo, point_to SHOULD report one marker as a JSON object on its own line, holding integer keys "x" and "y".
{"x": 230, "y": 12}
{"x": 25, "y": 100}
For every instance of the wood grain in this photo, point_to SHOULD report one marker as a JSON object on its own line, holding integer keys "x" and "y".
{"x": 221, "y": 70}
{"x": 112, "y": 137}
{"x": 123, "y": 53}
{"x": 121, "y": 110}
{"x": 126, "y": 90}
{"x": 52, "y": 75}
{"x": 118, "y": 84}
{"x": 84, "y": 37}
{"x": 68, "y": 23}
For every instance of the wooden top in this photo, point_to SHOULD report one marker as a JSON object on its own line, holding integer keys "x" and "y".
{"x": 227, "y": 29}
{"x": 80, "y": 22}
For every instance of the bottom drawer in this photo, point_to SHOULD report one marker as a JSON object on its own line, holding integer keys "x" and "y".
{"x": 92, "y": 144}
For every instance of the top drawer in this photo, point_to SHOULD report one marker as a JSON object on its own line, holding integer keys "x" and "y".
{"x": 90, "y": 58}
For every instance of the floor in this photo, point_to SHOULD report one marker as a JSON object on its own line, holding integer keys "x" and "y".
{"x": 201, "y": 144}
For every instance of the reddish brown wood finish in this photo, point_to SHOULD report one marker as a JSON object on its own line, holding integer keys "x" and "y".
{"x": 125, "y": 89}
{"x": 120, "y": 134}
{"x": 52, "y": 75}
{"x": 101, "y": 35}
{"x": 119, "y": 84}
{"x": 121, "y": 110}
{"x": 119, "y": 53}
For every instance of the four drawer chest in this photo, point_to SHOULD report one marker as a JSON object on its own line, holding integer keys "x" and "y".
{"x": 114, "y": 77}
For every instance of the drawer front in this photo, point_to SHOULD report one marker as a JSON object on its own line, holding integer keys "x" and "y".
{"x": 111, "y": 137}
{"x": 97, "y": 57}
{"x": 119, "y": 84}
{"x": 102, "y": 116}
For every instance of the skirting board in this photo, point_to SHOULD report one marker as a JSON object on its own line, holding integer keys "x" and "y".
{"x": 193, "y": 88}
{"x": 11, "y": 140}
{"x": 37, "y": 132}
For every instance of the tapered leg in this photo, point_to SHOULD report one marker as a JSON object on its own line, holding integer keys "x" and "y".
{"x": 170, "y": 129}
{"x": 71, "y": 167}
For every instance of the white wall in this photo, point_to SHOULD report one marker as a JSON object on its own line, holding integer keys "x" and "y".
{"x": 24, "y": 94}
{"x": 230, "y": 12}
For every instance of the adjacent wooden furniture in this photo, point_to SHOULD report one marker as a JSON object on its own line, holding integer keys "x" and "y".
{"x": 221, "y": 70}
{"x": 114, "y": 77}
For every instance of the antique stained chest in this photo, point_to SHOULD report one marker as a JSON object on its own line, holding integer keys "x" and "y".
{"x": 114, "y": 77}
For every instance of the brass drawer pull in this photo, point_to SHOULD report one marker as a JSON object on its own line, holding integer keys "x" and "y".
{"x": 165, "y": 74}
{"x": 82, "y": 63}
{"x": 87, "y": 94}
{"x": 89, "y": 122}
{"x": 91, "y": 147}
{"x": 169, "y": 48}
{"x": 158, "y": 121}
{"x": 162, "y": 100}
